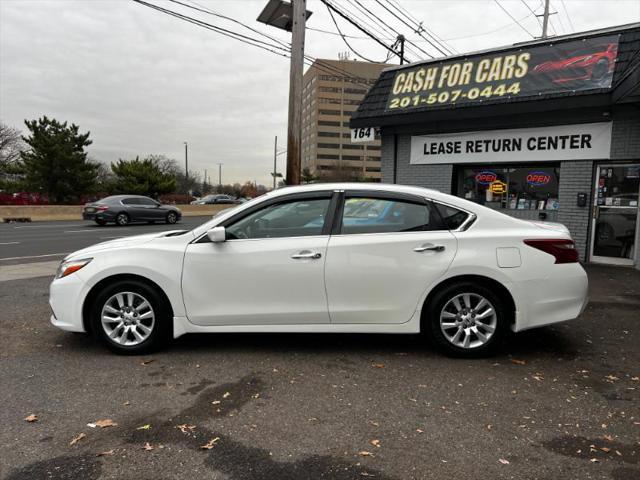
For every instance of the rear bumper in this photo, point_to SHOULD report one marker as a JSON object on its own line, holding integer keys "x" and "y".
{"x": 560, "y": 296}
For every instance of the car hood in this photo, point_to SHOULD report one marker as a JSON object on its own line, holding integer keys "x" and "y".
{"x": 123, "y": 242}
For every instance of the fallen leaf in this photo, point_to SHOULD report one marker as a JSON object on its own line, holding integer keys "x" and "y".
{"x": 32, "y": 418}
{"x": 518, "y": 362}
{"x": 605, "y": 449}
{"x": 210, "y": 444}
{"x": 609, "y": 438}
{"x": 503, "y": 461}
{"x": 104, "y": 454}
{"x": 419, "y": 430}
{"x": 147, "y": 362}
{"x": 77, "y": 438}
{"x": 144, "y": 427}
{"x": 127, "y": 403}
{"x": 147, "y": 446}
{"x": 216, "y": 402}
{"x": 613, "y": 378}
{"x": 594, "y": 460}
{"x": 107, "y": 422}
{"x": 186, "y": 428}
{"x": 226, "y": 395}
{"x": 377, "y": 365}
{"x": 635, "y": 379}
{"x": 364, "y": 453}
{"x": 375, "y": 424}
{"x": 375, "y": 442}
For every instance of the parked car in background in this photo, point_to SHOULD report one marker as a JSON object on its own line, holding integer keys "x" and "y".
{"x": 125, "y": 209}
{"x": 342, "y": 258}
{"x": 219, "y": 199}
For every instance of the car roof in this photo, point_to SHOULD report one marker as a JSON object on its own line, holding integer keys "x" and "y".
{"x": 120, "y": 197}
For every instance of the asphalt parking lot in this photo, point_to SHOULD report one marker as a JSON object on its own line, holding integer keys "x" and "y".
{"x": 558, "y": 402}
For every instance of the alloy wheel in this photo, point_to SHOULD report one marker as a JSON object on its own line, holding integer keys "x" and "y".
{"x": 468, "y": 320}
{"x": 122, "y": 219}
{"x": 127, "y": 318}
{"x": 172, "y": 218}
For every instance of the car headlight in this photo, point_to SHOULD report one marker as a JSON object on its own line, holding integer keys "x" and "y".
{"x": 67, "y": 267}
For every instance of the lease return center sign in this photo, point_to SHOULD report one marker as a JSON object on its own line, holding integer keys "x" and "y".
{"x": 564, "y": 142}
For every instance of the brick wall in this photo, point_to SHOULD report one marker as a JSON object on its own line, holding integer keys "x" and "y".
{"x": 576, "y": 177}
{"x": 438, "y": 177}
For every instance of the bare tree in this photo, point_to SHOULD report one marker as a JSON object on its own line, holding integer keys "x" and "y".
{"x": 10, "y": 146}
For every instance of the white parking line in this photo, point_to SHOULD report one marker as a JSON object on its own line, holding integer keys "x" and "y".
{"x": 27, "y": 270}
{"x": 9, "y": 243}
{"x": 34, "y": 256}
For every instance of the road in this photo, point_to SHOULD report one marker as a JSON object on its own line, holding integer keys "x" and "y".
{"x": 41, "y": 241}
{"x": 557, "y": 402}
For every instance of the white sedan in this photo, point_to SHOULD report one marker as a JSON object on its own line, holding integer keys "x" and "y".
{"x": 367, "y": 258}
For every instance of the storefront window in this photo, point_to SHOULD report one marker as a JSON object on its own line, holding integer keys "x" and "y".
{"x": 531, "y": 187}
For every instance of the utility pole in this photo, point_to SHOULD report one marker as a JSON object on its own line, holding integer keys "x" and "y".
{"x": 204, "y": 185}
{"x": 275, "y": 163}
{"x": 220, "y": 176}
{"x": 186, "y": 169}
{"x": 294, "y": 134}
{"x": 400, "y": 40}
{"x": 186, "y": 162}
{"x": 545, "y": 19}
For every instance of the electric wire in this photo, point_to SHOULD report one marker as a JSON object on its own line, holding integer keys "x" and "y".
{"x": 514, "y": 19}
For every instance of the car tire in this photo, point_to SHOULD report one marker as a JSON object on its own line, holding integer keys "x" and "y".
{"x": 102, "y": 223}
{"x": 122, "y": 219}
{"x": 172, "y": 217}
{"x": 471, "y": 330}
{"x": 141, "y": 315}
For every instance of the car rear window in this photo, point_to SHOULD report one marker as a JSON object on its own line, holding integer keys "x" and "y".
{"x": 452, "y": 217}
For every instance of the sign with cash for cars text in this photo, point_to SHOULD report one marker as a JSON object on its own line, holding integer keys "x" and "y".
{"x": 576, "y": 65}
{"x": 564, "y": 142}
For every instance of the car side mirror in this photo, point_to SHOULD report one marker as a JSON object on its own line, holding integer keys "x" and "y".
{"x": 217, "y": 234}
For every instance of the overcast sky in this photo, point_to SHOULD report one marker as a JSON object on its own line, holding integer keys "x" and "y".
{"x": 143, "y": 82}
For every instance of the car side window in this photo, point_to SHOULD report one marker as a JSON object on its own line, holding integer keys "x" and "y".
{"x": 297, "y": 218}
{"x": 147, "y": 201}
{"x": 130, "y": 201}
{"x": 452, "y": 217}
{"x": 377, "y": 215}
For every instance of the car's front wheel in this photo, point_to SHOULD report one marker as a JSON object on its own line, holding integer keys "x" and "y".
{"x": 172, "y": 217}
{"x": 131, "y": 317}
{"x": 466, "y": 319}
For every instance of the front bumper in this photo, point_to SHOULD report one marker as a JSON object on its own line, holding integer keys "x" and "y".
{"x": 66, "y": 296}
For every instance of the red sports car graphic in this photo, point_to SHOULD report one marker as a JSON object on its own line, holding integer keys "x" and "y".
{"x": 593, "y": 63}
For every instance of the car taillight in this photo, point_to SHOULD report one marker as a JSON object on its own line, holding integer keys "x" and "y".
{"x": 562, "y": 249}
{"x": 101, "y": 208}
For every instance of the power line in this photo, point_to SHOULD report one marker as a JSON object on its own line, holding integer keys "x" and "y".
{"x": 393, "y": 29}
{"x": 208, "y": 11}
{"x": 421, "y": 28}
{"x": 514, "y": 19}
{"x": 276, "y": 49}
{"x": 345, "y": 40}
{"x": 566, "y": 12}
{"x": 380, "y": 27}
{"x": 357, "y": 25}
{"x": 532, "y": 11}
{"x": 417, "y": 31}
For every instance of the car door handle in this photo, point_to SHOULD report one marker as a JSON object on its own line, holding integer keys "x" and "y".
{"x": 430, "y": 247}
{"x": 306, "y": 255}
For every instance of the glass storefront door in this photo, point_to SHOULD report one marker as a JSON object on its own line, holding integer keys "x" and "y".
{"x": 615, "y": 217}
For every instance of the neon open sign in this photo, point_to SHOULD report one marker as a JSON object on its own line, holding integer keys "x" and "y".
{"x": 537, "y": 179}
{"x": 486, "y": 177}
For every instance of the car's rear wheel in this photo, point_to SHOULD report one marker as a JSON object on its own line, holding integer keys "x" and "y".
{"x": 102, "y": 223}
{"x": 131, "y": 317}
{"x": 172, "y": 217}
{"x": 466, "y": 319}
{"x": 122, "y": 219}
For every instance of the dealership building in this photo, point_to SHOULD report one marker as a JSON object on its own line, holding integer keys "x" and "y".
{"x": 544, "y": 130}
